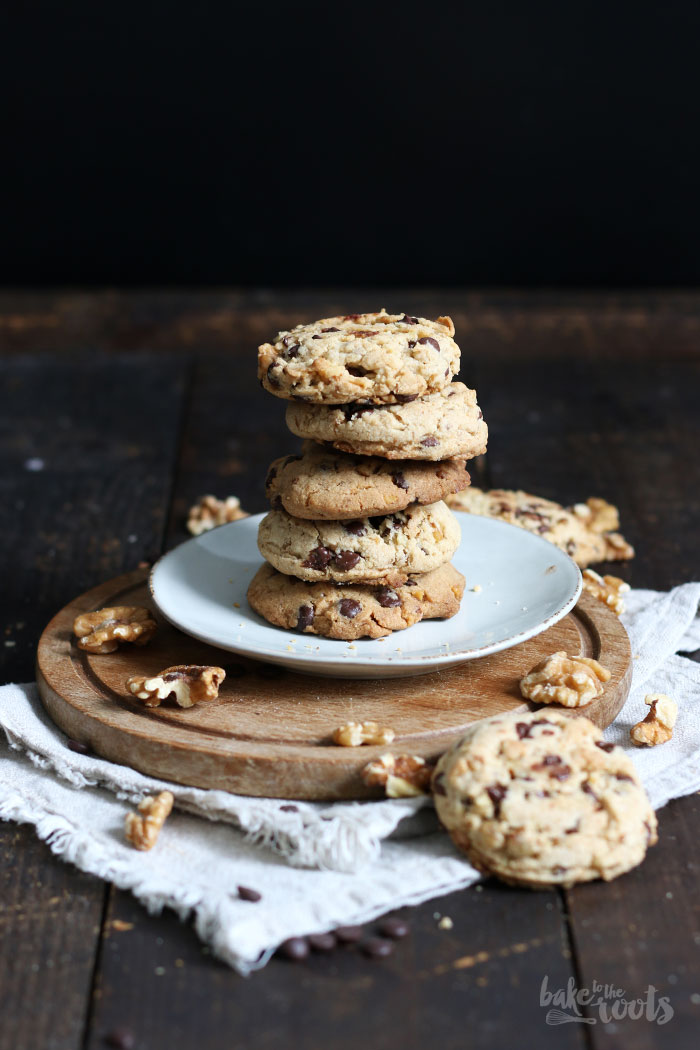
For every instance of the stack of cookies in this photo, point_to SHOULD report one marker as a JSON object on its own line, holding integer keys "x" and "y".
{"x": 359, "y": 540}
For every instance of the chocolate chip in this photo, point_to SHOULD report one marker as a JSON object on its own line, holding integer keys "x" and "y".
{"x": 121, "y": 1039}
{"x": 355, "y": 528}
{"x": 387, "y": 598}
{"x": 497, "y": 792}
{"x": 351, "y": 317}
{"x": 411, "y": 344}
{"x": 294, "y": 948}
{"x": 355, "y": 370}
{"x": 429, "y": 442}
{"x": 246, "y": 894}
{"x": 322, "y": 942}
{"x": 405, "y": 399}
{"x": 289, "y": 808}
{"x": 558, "y": 870}
{"x": 345, "y": 560}
{"x": 291, "y": 352}
{"x": 586, "y": 786}
{"x": 315, "y": 336}
{"x": 439, "y": 784}
{"x": 319, "y": 558}
{"x": 553, "y": 765}
{"x": 400, "y": 481}
{"x": 334, "y": 329}
{"x": 624, "y": 776}
{"x": 428, "y": 340}
{"x": 349, "y": 934}
{"x": 572, "y": 831}
{"x": 277, "y": 503}
{"x": 79, "y": 747}
{"x": 272, "y": 380}
{"x": 361, "y": 332}
{"x": 481, "y": 414}
{"x": 355, "y": 410}
{"x": 306, "y": 617}
{"x": 603, "y": 746}
{"x": 570, "y": 547}
{"x": 349, "y": 607}
{"x": 524, "y": 729}
{"x": 377, "y": 948}
{"x": 377, "y": 521}
{"x": 287, "y": 339}
{"x": 394, "y": 927}
{"x": 408, "y": 320}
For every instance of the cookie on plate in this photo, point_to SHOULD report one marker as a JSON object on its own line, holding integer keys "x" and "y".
{"x": 388, "y": 548}
{"x": 540, "y": 800}
{"x": 324, "y": 483}
{"x": 587, "y": 531}
{"x": 376, "y": 358}
{"x": 349, "y": 611}
{"x": 444, "y": 425}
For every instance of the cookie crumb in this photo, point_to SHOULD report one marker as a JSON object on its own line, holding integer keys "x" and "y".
{"x": 445, "y": 923}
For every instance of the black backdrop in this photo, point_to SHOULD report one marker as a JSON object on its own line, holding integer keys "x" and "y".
{"x": 295, "y": 143}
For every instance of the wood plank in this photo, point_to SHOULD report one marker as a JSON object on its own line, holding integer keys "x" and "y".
{"x": 477, "y": 984}
{"x": 155, "y": 978}
{"x": 494, "y": 324}
{"x": 83, "y": 494}
{"x": 570, "y": 431}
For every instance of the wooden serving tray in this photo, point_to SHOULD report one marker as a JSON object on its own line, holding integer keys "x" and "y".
{"x": 269, "y": 732}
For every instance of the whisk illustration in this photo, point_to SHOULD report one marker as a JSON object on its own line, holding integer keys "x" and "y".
{"x": 559, "y": 1017}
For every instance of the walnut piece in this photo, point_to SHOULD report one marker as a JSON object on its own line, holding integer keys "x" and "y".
{"x": 598, "y": 515}
{"x": 572, "y": 681}
{"x": 658, "y": 725}
{"x": 189, "y": 683}
{"x": 103, "y": 630}
{"x": 353, "y": 734}
{"x": 401, "y": 776}
{"x": 607, "y": 589}
{"x": 143, "y": 831}
{"x": 210, "y": 512}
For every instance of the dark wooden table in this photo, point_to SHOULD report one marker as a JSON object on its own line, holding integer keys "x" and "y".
{"x": 128, "y": 407}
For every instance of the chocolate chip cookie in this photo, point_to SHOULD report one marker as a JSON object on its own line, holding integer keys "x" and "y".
{"x": 354, "y": 610}
{"x": 387, "y": 548}
{"x": 540, "y": 800}
{"x": 323, "y": 483}
{"x": 375, "y": 358}
{"x": 444, "y": 425}
{"x": 586, "y": 531}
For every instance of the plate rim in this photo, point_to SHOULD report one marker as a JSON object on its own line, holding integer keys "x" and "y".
{"x": 304, "y": 661}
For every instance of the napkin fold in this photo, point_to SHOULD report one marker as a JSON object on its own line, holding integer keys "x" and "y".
{"x": 317, "y": 865}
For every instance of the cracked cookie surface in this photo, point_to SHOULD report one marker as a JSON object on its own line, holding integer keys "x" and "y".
{"x": 389, "y": 548}
{"x": 354, "y": 611}
{"x": 324, "y": 483}
{"x": 375, "y": 357}
{"x": 444, "y": 425}
{"x": 586, "y": 531}
{"x": 540, "y": 800}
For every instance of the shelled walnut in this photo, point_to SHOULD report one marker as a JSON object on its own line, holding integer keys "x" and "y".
{"x": 401, "y": 776}
{"x": 142, "y": 830}
{"x": 572, "y": 681}
{"x": 102, "y": 631}
{"x": 210, "y": 512}
{"x": 189, "y": 683}
{"x": 658, "y": 725}
{"x": 353, "y": 734}
{"x": 607, "y": 589}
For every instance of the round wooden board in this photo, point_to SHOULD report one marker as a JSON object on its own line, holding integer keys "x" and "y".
{"x": 269, "y": 731}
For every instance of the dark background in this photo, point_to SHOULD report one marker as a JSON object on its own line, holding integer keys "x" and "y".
{"x": 307, "y": 143}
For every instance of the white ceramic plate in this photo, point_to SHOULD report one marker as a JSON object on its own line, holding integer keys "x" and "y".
{"x": 526, "y": 585}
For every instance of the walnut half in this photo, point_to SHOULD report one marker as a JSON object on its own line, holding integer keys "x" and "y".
{"x": 353, "y": 734}
{"x": 572, "y": 681}
{"x": 189, "y": 684}
{"x": 401, "y": 776}
{"x": 103, "y": 630}
{"x": 143, "y": 831}
{"x": 607, "y": 589}
{"x": 658, "y": 725}
{"x": 210, "y": 512}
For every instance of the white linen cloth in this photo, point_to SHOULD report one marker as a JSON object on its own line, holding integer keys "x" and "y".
{"x": 319, "y": 865}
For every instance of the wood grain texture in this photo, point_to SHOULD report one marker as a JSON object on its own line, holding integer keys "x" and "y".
{"x": 584, "y": 394}
{"x": 269, "y": 731}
